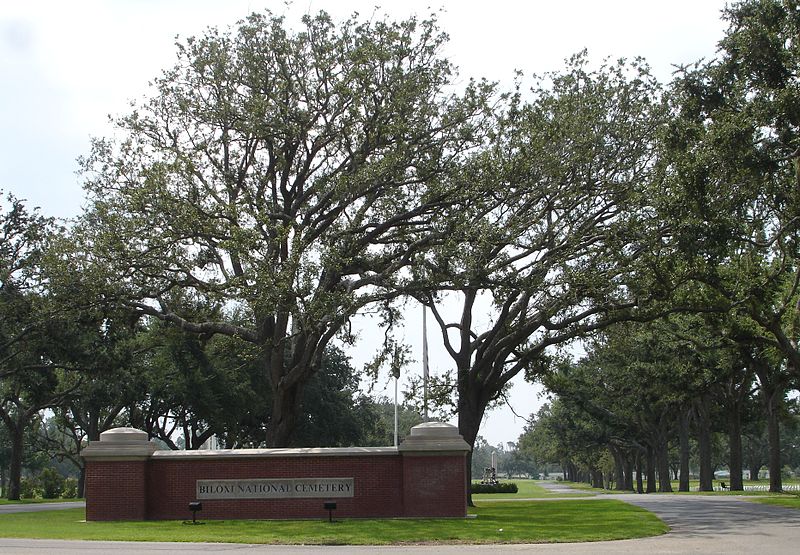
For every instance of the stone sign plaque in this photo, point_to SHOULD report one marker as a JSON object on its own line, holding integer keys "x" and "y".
{"x": 275, "y": 488}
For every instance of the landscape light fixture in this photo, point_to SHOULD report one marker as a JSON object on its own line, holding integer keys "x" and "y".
{"x": 195, "y": 506}
{"x": 330, "y": 506}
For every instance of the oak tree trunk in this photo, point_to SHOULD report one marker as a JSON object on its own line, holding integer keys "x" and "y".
{"x": 735, "y": 443}
{"x": 662, "y": 464}
{"x": 470, "y": 415}
{"x": 683, "y": 439}
{"x": 286, "y": 406}
{"x": 772, "y": 401}
{"x": 628, "y": 485}
{"x": 651, "y": 470}
{"x": 17, "y": 435}
{"x": 639, "y": 484}
{"x": 704, "y": 446}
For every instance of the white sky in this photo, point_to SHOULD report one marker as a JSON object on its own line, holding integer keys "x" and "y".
{"x": 66, "y": 65}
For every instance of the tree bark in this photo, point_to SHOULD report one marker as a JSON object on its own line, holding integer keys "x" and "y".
{"x": 662, "y": 463}
{"x": 17, "y": 435}
{"x": 82, "y": 482}
{"x": 286, "y": 405}
{"x": 704, "y": 445}
{"x": 596, "y": 477}
{"x": 683, "y": 439}
{"x": 735, "y": 464}
{"x": 572, "y": 472}
{"x": 651, "y": 470}
{"x": 773, "y": 389}
{"x": 92, "y": 434}
{"x": 470, "y": 415}
{"x": 639, "y": 484}
{"x": 773, "y": 406}
{"x": 628, "y": 486}
{"x": 619, "y": 468}
{"x": 664, "y": 475}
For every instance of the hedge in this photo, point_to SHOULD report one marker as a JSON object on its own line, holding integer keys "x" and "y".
{"x": 505, "y": 487}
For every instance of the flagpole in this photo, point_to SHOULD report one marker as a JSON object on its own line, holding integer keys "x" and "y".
{"x": 425, "y": 363}
{"x": 396, "y": 442}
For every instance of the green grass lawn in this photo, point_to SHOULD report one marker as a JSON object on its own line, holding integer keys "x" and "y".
{"x": 517, "y": 522}
{"x": 528, "y": 489}
{"x": 785, "y": 500}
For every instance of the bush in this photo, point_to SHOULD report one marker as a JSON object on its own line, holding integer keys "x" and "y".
{"x": 52, "y": 483}
{"x": 28, "y": 488}
{"x": 505, "y": 487}
{"x": 70, "y": 488}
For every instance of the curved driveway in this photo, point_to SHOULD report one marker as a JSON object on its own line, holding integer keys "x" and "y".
{"x": 700, "y": 524}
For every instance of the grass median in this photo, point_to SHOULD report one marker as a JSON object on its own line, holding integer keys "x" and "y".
{"x": 791, "y": 501}
{"x": 512, "y": 522}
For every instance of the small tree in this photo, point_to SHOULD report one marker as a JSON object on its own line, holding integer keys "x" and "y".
{"x": 52, "y": 483}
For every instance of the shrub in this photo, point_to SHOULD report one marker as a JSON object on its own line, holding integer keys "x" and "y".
{"x": 28, "y": 488}
{"x": 70, "y": 488}
{"x": 52, "y": 483}
{"x": 505, "y": 487}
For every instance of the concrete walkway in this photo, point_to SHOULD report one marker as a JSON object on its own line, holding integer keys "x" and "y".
{"x": 700, "y": 524}
{"x": 562, "y": 489}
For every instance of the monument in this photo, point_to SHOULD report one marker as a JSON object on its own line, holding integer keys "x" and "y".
{"x": 127, "y": 478}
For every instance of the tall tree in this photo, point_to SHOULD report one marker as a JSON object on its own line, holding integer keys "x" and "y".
{"x": 291, "y": 175}
{"x": 23, "y": 237}
{"x": 557, "y": 223}
{"x": 29, "y": 382}
{"x": 733, "y": 169}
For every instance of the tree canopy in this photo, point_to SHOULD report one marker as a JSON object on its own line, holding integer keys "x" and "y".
{"x": 288, "y": 177}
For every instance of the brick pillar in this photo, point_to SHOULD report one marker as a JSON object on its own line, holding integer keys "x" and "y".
{"x": 116, "y": 475}
{"x": 434, "y": 471}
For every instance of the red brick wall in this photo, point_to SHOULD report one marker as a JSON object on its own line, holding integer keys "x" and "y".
{"x": 384, "y": 486}
{"x": 116, "y": 490}
{"x": 435, "y": 485}
{"x": 377, "y": 492}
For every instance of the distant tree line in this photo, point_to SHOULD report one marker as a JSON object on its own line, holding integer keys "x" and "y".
{"x": 653, "y": 404}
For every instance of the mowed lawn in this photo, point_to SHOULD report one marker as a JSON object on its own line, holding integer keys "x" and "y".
{"x": 528, "y": 489}
{"x": 509, "y": 522}
{"x": 791, "y": 501}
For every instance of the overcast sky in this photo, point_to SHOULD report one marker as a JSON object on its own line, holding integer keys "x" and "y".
{"x": 66, "y": 65}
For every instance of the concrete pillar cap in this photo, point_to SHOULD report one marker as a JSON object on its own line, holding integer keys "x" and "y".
{"x": 124, "y": 435}
{"x": 434, "y": 436}
{"x": 120, "y": 444}
{"x": 434, "y": 429}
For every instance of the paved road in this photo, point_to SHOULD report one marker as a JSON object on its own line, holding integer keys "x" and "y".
{"x": 700, "y": 524}
{"x": 36, "y": 507}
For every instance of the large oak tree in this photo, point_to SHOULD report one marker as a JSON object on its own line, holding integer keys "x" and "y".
{"x": 547, "y": 249}
{"x": 290, "y": 176}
